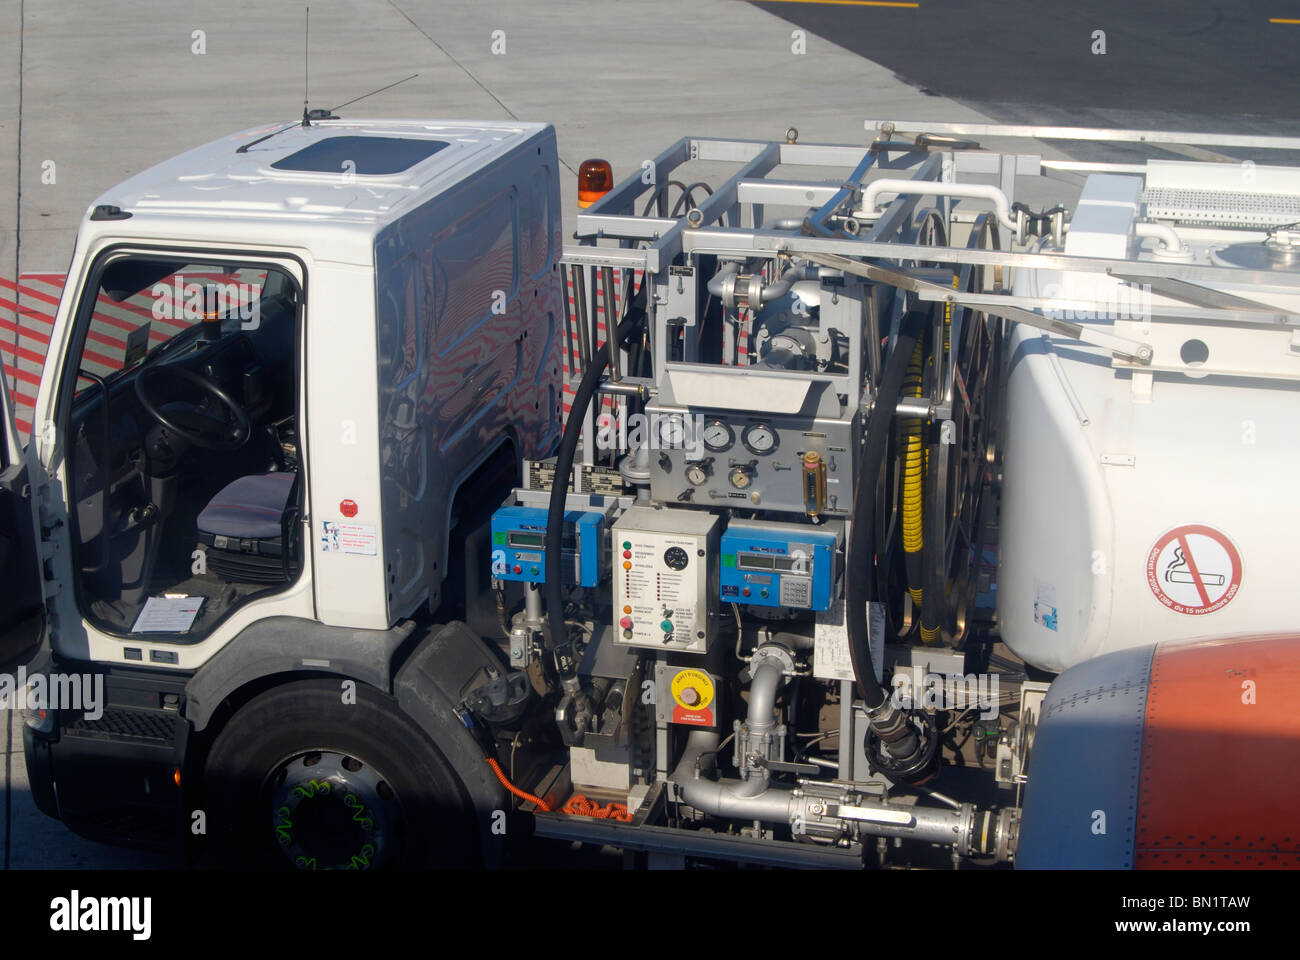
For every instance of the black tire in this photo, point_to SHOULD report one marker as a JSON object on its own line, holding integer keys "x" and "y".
{"x": 412, "y": 813}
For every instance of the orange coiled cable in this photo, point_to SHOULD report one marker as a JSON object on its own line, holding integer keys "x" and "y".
{"x": 521, "y": 794}
{"x": 580, "y": 806}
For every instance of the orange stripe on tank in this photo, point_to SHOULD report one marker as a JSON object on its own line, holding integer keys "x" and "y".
{"x": 1220, "y": 779}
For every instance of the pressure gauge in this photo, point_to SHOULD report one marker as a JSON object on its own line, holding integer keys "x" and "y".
{"x": 740, "y": 477}
{"x": 718, "y": 436}
{"x": 759, "y": 438}
{"x": 672, "y": 432}
{"x": 697, "y": 473}
{"x": 675, "y": 558}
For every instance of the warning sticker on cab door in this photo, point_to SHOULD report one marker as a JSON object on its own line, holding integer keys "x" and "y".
{"x": 341, "y": 536}
{"x": 1194, "y": 569}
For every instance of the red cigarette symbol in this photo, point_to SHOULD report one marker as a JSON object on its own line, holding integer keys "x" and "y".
{"x": 1183, "y": 559}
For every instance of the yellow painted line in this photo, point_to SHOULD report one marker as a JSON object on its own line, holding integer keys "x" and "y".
{"x": 852, "y": 3}
{"x": 1280, "y": 20}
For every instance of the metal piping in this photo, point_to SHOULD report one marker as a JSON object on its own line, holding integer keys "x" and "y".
{"x": 929, "y": 188}
{"x": 754, "y": 797}
{"x": 757, "y": 798}
{"x": 780, "y": 804}
{"x": 724, "y": 797}
{"x": 727, "y": 284}
{"x": 534, "y": 615}
{"x": 1170, "y": 241}
{"x": 724, "y": 271}
{"x": 817, "y": 222}
{"x": 761, "y": 718}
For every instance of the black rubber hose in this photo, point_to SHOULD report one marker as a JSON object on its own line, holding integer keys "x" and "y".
{"x": 560, "y": 645}
{"x": 858, "y": 562}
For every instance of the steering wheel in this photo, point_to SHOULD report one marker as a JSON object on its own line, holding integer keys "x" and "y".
{"x": 190, "y": 421}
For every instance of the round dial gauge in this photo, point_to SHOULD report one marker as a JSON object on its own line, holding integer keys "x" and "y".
{"x": 676, "y": 558}
{"x": 759, "y": 438}
{"x": 672, "y": 431}
{"x": 718, "y": 436}
{"x": 740, "y": 478}
{"x": 697, "y": 473}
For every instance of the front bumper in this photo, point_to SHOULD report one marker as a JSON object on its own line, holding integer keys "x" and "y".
{"x": 115, "y": 778}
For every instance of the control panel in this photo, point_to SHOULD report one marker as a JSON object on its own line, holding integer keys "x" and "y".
{"x": 519, "y": 545}
{"x": 780, "y": 564}
{"x": 665, "y": 579}
{"x": 795, "y": 464}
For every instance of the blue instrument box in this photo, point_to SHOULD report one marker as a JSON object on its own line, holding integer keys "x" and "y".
{"x": 779, "y": 564}
{"x": 519, "y": 545}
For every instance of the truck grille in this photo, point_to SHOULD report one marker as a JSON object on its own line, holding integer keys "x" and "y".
{"x": 132, "y": 724}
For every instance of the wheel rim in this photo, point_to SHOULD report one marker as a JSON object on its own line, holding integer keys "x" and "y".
{"x": 333, "y": 811}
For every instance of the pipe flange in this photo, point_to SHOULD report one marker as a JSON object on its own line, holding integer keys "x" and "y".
{"x": 727, "y": 288}
{"x": 775, "y": 652}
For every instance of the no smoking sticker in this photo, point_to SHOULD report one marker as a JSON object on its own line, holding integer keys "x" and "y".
{"x": 1194, "y": 569}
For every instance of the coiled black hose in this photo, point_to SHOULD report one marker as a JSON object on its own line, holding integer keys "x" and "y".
{"x": 858, "y": 563}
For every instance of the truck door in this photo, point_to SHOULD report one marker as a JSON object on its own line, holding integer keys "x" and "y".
{"x": 20, "y": 591}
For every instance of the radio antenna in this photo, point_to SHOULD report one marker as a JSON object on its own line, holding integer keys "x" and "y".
{"x": 306, "y": 47}
{"x": 373, "y": 92}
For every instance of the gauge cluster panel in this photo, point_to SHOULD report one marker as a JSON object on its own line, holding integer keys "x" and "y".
{"x": 764, "y": 462}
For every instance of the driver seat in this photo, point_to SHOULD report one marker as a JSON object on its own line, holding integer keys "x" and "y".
{"x": 246, "y": 529}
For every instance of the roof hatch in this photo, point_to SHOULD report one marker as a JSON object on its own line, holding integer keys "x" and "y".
{"x": 371, "y": 156}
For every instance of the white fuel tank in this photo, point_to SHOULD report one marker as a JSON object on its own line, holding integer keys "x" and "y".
{"x": 1145, "y": 507}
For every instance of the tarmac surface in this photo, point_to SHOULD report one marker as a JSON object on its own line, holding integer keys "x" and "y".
{"x": 91, "y": 93}
{"x": 1222, "y": 65}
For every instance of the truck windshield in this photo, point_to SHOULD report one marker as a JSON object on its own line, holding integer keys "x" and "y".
{"x": 146, "y": 306}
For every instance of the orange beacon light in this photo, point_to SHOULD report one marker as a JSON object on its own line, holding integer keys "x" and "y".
{"x": 595, "y": 179}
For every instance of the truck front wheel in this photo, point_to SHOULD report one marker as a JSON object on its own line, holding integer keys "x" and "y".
{"x": 323, "y": 775}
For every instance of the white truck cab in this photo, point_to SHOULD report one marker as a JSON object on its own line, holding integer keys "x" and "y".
{"x": 282, "y": 362}
{"x": 256, "y": 392}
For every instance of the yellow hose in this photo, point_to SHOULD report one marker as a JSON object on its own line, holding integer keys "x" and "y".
{"x": 932, "y": 635}
{"x": 914, "y": 464}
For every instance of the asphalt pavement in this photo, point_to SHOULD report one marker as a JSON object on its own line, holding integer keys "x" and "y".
{"x": 1225, "y": 65}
